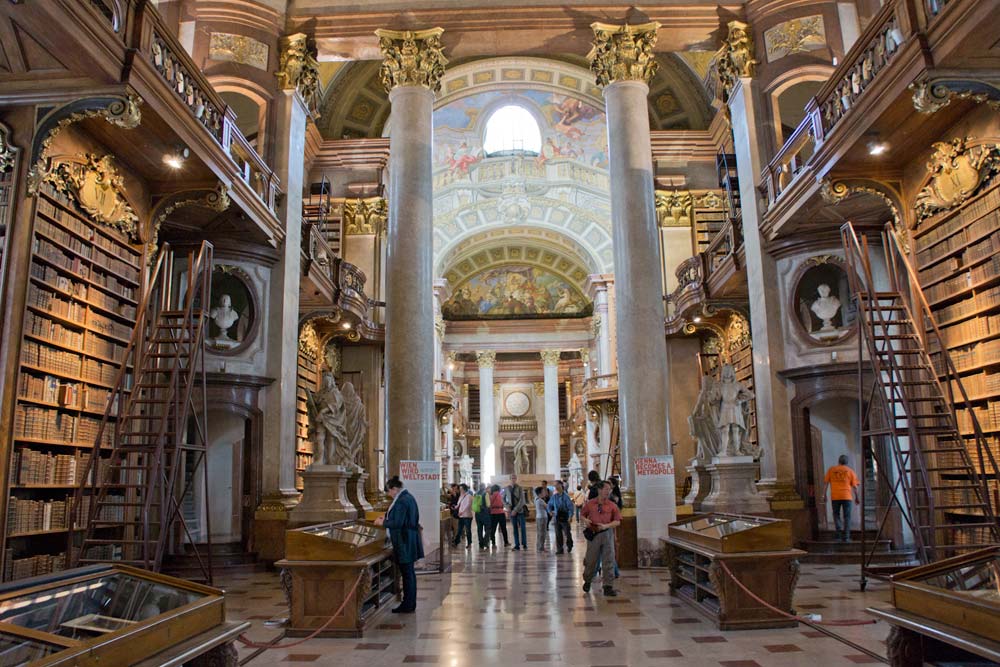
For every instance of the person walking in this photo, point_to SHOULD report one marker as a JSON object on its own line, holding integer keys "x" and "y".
{"x": 481, "y": 508}
{"x": 541, "y": 520}
{"x": 498, "y": 517}
{"x": 594, "y": 484}
{"x": 843, "y": 484}
{"x": 601, "y": 517}
{"x": 561, "y": 510}
{"x": 403, "y": 522}
{"x": 517, "y": 506}
{"x": 453, "y": 495}
{"x": 579, "y": 497}
{"x": 464, "y": 507}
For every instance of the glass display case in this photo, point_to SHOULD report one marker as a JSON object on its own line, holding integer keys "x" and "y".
{"x": 733, "y": 533}
{"x": 963, "y": 591}
{"x": 113, "y": 614}
{"x": 346, "y": 540}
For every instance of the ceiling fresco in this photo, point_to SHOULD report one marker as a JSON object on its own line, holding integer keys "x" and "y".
{"x": 516, "y": 291}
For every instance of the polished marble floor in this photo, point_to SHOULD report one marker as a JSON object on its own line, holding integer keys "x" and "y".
{"x": 513, "y": 608}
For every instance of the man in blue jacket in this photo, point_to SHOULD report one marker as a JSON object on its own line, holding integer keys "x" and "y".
{"x": 403, "y": 522}
{"x": 561, "y": 508}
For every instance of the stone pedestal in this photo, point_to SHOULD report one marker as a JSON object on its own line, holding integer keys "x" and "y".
{"x": 701, "y": 484}
{"x": 356, "y": 493}
{"x": 324, "y": 497}
{"x": 733, "y": 487}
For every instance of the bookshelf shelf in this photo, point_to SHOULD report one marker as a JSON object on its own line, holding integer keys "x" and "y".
{"x": 83, "y": 289}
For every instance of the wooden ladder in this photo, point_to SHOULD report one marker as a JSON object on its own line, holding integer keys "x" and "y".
{"x": 136, "y": 493}
{"x": 937, "y": 478}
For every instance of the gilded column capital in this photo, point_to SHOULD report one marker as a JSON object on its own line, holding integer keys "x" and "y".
{"x": 452, "y": 357}
{"x": 439, "y": 325}
{"x": 735, "y": 61}
{"x": 298, "y": 68}
{"x": 486, "y": 358}
{"x": 365, "y": 216}
{"x": 411, "y": 58}
{"x": 623, "y": 52}
{"x": 585, "y": 355}
{"x": 550, "y": 357}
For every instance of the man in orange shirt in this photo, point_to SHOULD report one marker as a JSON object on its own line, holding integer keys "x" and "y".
{"x": 843, "y": 485}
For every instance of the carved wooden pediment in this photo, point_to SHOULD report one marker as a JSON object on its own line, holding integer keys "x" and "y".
{"x": 957, "y": 170}
{"x": 97, "y": 187}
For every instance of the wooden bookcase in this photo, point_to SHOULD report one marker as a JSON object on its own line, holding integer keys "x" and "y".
{"x": 308, "y": 380}
{"x": 957, "y": 256}
{"x": 82, "y": 293}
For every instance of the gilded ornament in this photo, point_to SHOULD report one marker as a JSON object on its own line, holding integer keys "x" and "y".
{"x": 98, "y": 188}
{"x": 737, "y": 333}
{"x": 298, "y": 69}
{"x": 309, "y": 341}
{"x": 539, "y": 388}
{"x": 735, "y": 61}
{"x": 595, "y": 325}
{"x": 550, "y": 357}
{"x": 365, "y": 216}
{"x": 674, "y": 208}
{"x": 439, "y": 325}
{"x": 238, "y": 49}
{"x": 930, "y": 97}
{"x": 7, "y": 152}
{"x": 957, "y": 170}
{"x": 585, "y": 355}
{"x": 412, "y": 58}
{"x": 623, "y": 52}
{"x": 833, "y": 192}
{"x": 486, "y": 358}
{"x": 710, "y": 199}
{"x": 795, "y": 36}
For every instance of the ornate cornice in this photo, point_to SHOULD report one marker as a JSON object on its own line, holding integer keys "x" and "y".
{"x": 931, "y": 96}
{"x": 735, "y": 61}
{"x": 550, "y": 357}
{"x": 623, "y": 52}
{"x": 299, "y": 70}
{"x": 216, "y": 199}
{"x": 411, "y": 58}
{"x": 97, "y": 187}
{"x": 486, "y": 358}
{"x": 956, "y": 171}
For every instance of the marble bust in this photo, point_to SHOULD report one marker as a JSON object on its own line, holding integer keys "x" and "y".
{"x": 224, "y": 317}
{"x": 825, "y": 307}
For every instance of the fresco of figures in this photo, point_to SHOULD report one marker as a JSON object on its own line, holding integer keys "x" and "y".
{"x": 516, "y": 292}
{"x": 570, "y": 129}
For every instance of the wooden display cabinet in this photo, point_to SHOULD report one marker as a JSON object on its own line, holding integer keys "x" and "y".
{"x": 756, "y": 550}
{"x": 948, "y": 610}
{"x": 322, "y": 564}
{"x": 112, "y": 616}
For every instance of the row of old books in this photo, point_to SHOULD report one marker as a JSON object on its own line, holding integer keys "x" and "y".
{"x": 51, "y": 302}
{"x": 49, "y": 389}
{"x": 52, "y": 276}
{"x": 22, "y": 568}
{"x": 969, "y": 331}
{"x": 31, "y": 467}
{"x": 108, "y": 302}
{"x": 38, "y": 325}
{"x": 980, "y": 301}
{"x": 49, "y": 358}
{"x": 25, "y": 515}
{"x": 105, "y": 348}
{"x": 55, "y": 425}
{"x": 56, "y": 255}
{"x": 63, "y": 238}
{"x": 78, "y": 225}
{"x": 106, "y": 325}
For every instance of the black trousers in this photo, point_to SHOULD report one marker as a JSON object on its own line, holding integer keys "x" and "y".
{"x": 498, "y": 520}
{"x": 464, "y": 526}
{"x": 409, "y": 575}
{"x": 483, "y": 526}
{"x": 563, "y": 529}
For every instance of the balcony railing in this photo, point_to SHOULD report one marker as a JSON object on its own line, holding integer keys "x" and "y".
{"x": 171, "y": 60}
{"x": 872, "y": 53}
{"x": 516, "y": 424}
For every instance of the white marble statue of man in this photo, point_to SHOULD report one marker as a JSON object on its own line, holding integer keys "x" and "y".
{"x": 224, "y": 317}
{"x": 357, "y": 429}
{"x": 825, "y": 307}
{"x": 575, "y": 470}
{"x": 327, "y": 421}
{"x": 733, "y": 428}
{"x": 465, "y": 470}
{"x": 520, "y": 456}
{"x": 703, "y": 421}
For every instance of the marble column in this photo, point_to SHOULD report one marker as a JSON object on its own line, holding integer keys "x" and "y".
{"x": 411, "y": 70}
{"x": 604, "y": 462}
{"x": 278, "y": 469}
{"x": 487, "y": 429}
{"x": 550, "y": 361}
{"x": 772, "y": 404}
{"x": 601, "y": 324}
{"x": 623, "y": 62}
{"x": 449, "y": 426}
{"x": 590, "y": 425}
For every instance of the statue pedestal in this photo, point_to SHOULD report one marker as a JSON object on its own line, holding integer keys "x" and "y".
{"x": 356, "y": 493}
{"x": 324, "y": 497}
{"x": 733, "y": 487}
{"x": 701, "y": 484}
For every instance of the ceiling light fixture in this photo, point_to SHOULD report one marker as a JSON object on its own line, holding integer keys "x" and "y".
{"x": 346, "y": 325}
{"x": 697, "y": 319}
{"x": 877, "y": 147}
{"x": 175, "y": 160}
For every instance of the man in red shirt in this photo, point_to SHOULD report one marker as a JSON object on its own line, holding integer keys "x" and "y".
{"x": 600, "y": 516}
{"x": 843, "y": 485}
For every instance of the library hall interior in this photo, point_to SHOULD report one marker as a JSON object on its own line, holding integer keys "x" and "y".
{"x": 467, "y": 333}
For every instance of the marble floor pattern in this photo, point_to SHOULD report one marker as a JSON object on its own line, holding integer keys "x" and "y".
{"x": 514, "y": 608}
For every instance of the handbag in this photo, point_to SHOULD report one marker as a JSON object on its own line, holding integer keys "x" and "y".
{"x": 589, "y": 534}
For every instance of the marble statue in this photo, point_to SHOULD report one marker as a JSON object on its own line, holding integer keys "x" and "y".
{"x": 520, "y": 456}
{"x": 224, "y": 317}
{"x": 465, "y": 470}
{"x": 733, "y": 400}
{"x": 825, "y": 307}
{"x": 703, "y": 422}
{"x": 327, "y": 425}
{"x": 575, "y": 470}
{"x": 356, "y": 426}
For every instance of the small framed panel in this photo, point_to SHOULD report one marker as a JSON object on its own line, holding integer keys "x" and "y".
{"x": 821, "y": 304}
{"x": 233, "y": 313}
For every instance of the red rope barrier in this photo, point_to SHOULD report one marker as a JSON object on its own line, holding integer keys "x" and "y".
{"x": 800, "y": 619}
{"x": 246, "y": 642}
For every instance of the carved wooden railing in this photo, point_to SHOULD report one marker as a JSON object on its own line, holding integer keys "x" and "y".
{"x": 351, "y": 278}
{"x": 516, "y": 424}
{"x": 600, "y": 389}
{"x": 472, "y": 427}
{"x": 317, "y": 252}
{"x": 876, "y": 48}
{"x": 690, "y": 285}
{"x": 157, "y": 44}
